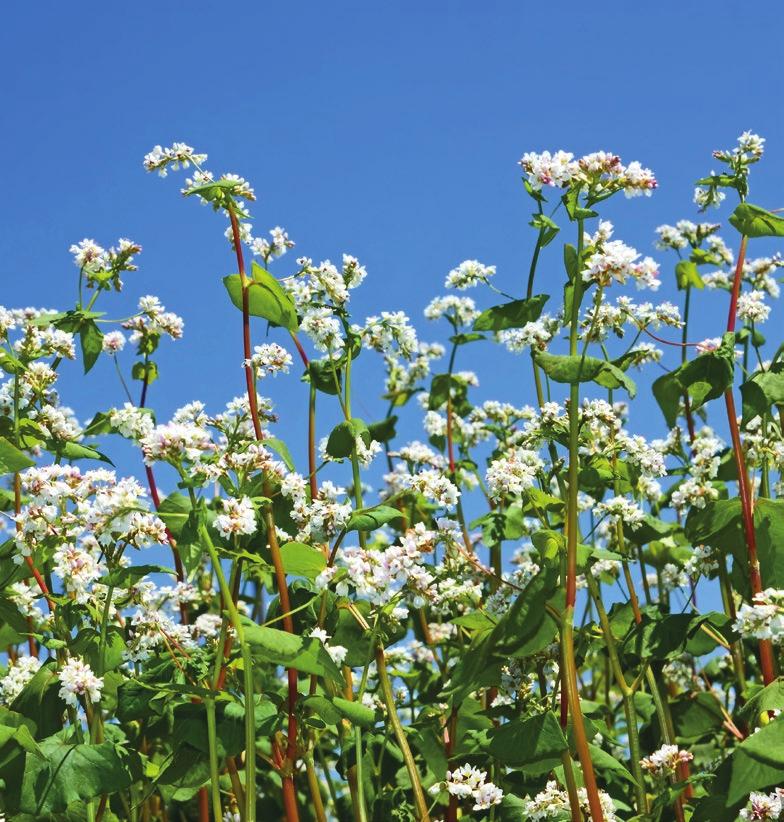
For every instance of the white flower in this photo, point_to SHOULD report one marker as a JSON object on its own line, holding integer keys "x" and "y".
{"x": 752, "y": 307}
{"x": 764, "y": 618}
{"x": 666, "y": 760}
{"x": 763, "y": 806}
{"x": 513, "y": 473}
{"x": 88, "y": 255}
{"x": 238, "y": 517}
{"x": 468, "y": 274}
{"x": 548, "y": 169}
{"x": 621, "y": 509}
{"x": 161, "y": 159}
{"x": 20, "y": 672}
{"x": 77, "y": 679}
{"x": 461, "y": 310}
{"x": 113, "y": 342}
{"x": 324, "y": 330}
{"x": 391, "y": 329}
{"x": 269, "y": 359}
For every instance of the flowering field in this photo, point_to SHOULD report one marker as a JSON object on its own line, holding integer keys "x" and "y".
{"x": 512, "y": 625}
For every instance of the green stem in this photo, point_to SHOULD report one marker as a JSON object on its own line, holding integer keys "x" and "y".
{"x": 247, "y": 673}
{"x": 212, "y": 741}
{"x": 422, "y": 812}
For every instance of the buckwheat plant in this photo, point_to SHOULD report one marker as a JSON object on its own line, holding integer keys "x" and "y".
{"x": 463, "y": 607}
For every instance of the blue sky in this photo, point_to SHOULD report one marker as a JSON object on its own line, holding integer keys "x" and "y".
{"x": 390, "y": 131}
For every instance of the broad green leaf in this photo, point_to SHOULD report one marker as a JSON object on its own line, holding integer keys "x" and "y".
{"x": 266, "y": 298}
{"x": 39, "y": 701}
{"x": 704, "y": 378}
{"x": 383, "y": 430}
{"x": 69, "y": 773}
{"x": 342, "y": 440}
{"x": 770, "y": 698}
{"x": 765, "y": 388}
{"x": 548, "y": 228}
{"x": 91, "y": 339}
{"x": 533, "y": 744}
{"x": 754, "y": 221}
{"x": 12, "y": 459}
{"x": 686, "y": 275}
{"x": 514, "y": 314}
{"x": 145, "y": 371}
{"x": 305, "y": 654}
{"x": 758, "y": 762}
{"x": 368, "y": 519}
{"x": 77, "y": 451}
{"x": 324, "y": 375}
{"x": 571, "y": 369}
{"x": 281, "y": 449}
{"x": 302, "y": 560}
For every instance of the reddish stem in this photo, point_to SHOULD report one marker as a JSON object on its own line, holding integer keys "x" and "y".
{"x": 289, "y": 790}
{"x": 767, "y": 664}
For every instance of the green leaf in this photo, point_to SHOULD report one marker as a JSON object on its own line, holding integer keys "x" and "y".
{"x": 39, "y": 701}
{"x": 765, "y": 388}
{"x": 342, "y": 440}
{"x": 302, "y": 560}
{"x": 321, "y": 374}
{"x": 91, "y": 339}
{"x": 368, "y": 519}
{"x": 534, "y": 744}
{"x": 758, "y": 762}
{"x": 514, "y": 314}
{"x": 281, "y": 449}
{"x": 12, "y": 459}
{"x": 704, "y": 378}
{"x": 266, "y": 298}
{"x": 754, "y": 221}
{"x": 355, "y": 712}
{"x": 77, "y": 451}
{"x": 305, "y": 654}
{"x": 686, "y": 275}
{"x": 548, "y": 228}
{"x": 69, "y": 773}
{"x": 145, "y": 370}
{"x": 383, "y": 430}
{"x": 770, "y": 698}
{"x": 572, "y": 369}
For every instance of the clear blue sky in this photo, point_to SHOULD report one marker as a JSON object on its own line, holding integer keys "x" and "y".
{"x": 387, "y": 130}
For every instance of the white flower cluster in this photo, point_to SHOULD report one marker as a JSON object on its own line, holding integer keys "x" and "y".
{"x": 152, "y": 321}
{"x": 666, "y": 760}
{"x": 621, "y": 510}
{"x": 553, "y": 803}
{"x": 536, "y": 334}
{"x": 81, "y": 515}
{"x": 468, "y": 274}
{"x": 161, "y": 159}
{"x": 238, "y": 517}
{"x": 600, "y": 172}
{"x": 20, "y": 671}
{"x": 614, "y": 260}
{"x": 763, "y": 806}
{"x": 276, "y": 247}
{"x": 461, "y": 311}
{"x": 763, "y": 618}
{"x": 317, "y": 519}
{"x": 389, "y": 331}
{"x": 513, "y": 473}
{"x": 752, "y": 307}
{"x": 470, "y": 783}
{"x": 381, "y": 575}
{"x": 704, "y": 466}
{"x": 269, "y": 359}
{"x": 78, "y": 679}
{"x": 684, "y": 233}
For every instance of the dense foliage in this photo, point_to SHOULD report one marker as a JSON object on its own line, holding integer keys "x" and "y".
{"x": 508, "y": 629}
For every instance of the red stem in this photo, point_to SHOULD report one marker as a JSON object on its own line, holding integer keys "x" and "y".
{"x": 289, "y": 790}
{"x": 767, "y": 664}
